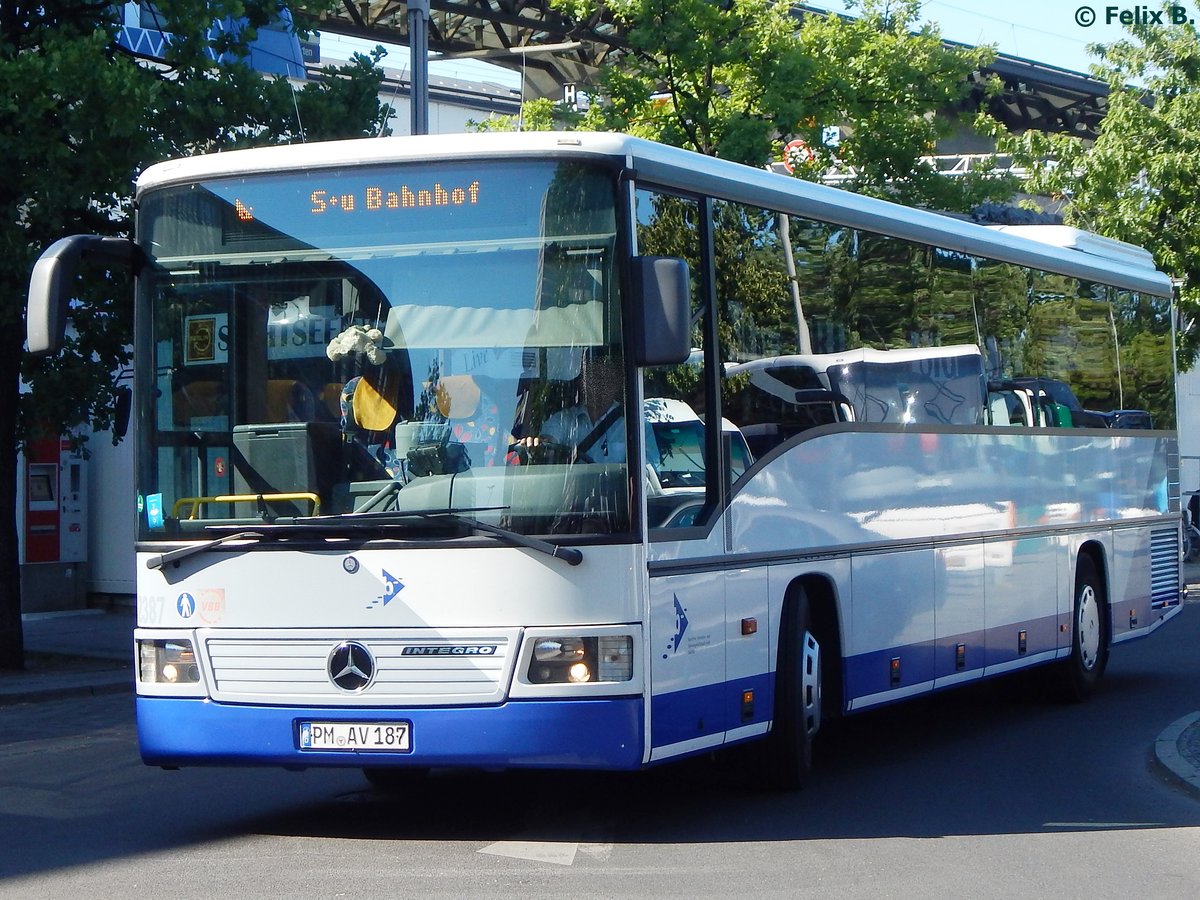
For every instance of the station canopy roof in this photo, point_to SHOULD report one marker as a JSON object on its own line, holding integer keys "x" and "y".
{"x": 527, "y": 35}
{"x": 552, "y": 50}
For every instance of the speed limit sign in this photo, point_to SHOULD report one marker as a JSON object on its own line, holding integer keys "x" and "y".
{"x": 797, "y": 153}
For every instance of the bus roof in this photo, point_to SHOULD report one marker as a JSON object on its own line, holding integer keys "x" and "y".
{"x": 1062, "y": 250}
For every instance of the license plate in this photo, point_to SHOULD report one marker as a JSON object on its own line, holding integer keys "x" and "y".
{"x": 395, "y": 737}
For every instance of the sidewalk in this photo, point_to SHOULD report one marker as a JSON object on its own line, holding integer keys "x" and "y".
{"x": 1178, "y": 748}
{"x": 71, "y": 653}
{"x": 83, "y": 652}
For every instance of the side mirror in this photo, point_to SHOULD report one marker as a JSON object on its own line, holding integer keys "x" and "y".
{"x": 663, "y": 310}
{"x": 121, "y": 411}
{"x": 52, "y": 284}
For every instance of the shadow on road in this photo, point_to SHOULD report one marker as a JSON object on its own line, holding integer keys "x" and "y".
{"x": 989, "y": 759}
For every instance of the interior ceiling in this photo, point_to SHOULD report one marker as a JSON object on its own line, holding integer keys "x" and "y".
{"x": 509, "y": 32}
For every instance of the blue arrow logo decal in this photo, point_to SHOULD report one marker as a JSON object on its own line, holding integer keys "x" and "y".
{"x": 681, "y": 622}
{"x": 391, "y": 587}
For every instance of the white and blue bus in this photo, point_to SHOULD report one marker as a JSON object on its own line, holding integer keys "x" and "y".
{"x": 578, "y": 451}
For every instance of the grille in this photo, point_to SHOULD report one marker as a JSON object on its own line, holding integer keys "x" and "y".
{"x": 1164, "y": 568}
{"x": 289, "y": 669}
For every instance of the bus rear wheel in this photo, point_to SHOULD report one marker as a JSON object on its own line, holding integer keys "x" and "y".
{"x": 1081, "y": 671}
{"x": 789, "y": 746}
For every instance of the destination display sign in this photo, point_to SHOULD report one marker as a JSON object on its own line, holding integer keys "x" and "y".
{"x": 332, "y": 208}
{"x": 374, "y": 198}
{"x": 271, "y": 216}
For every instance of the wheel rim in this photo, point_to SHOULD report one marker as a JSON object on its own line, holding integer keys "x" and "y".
{"x": 810, "y": 684}
{"x": 1088, "y": 627}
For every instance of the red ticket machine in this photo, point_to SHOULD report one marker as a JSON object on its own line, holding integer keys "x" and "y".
{"x": 52, "y": 504}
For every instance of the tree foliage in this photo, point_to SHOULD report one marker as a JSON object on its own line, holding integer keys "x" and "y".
{"x": 869, "y": 94}
{"x": 1139, "y": 181}
{"x": 79, "y": 118}
{"x": 539, "y": 114}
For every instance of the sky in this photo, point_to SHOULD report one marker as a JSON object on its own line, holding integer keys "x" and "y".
{"x": 1046, "y": 31}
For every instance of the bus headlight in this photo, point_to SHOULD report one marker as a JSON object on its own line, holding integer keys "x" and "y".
{"x": 167, "y": 662}
{"x": 581, "y": 660}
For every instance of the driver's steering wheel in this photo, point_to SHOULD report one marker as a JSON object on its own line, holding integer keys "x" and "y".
{"x": 544, "y": 452}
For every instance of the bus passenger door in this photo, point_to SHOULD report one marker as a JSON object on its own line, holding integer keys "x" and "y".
{"x": 708, "y": 628}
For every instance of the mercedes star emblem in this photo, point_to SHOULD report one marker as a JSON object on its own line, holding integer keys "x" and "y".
{"x": 351, "y": 666}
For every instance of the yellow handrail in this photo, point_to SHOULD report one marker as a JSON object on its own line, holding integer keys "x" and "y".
{"x": 196, "y": 502}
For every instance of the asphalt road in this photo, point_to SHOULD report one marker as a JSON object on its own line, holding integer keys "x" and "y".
{"x": 985, "y": 792}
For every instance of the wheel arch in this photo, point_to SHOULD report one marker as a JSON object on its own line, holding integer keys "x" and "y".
{"x": 825, "y": 622}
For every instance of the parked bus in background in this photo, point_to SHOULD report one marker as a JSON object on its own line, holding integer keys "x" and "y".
{"x": 579, "y": 451}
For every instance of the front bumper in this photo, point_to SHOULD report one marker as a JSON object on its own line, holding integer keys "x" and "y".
{"x": 558, "y": 734}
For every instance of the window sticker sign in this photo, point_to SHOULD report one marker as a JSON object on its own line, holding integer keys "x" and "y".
{"x": 154, "y": 510}
{"x": 206, "y": 339}
{"x": 296, "y": 330}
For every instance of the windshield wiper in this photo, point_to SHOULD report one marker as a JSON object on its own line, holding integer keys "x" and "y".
{"x": 263, "y": 532}
{"x": 157, "y": 562}
{"x": 377, "y": 522}
{"x": 570, "y": 555}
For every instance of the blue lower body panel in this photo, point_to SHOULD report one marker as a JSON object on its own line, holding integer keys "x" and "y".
{"x": 554, "y": 734}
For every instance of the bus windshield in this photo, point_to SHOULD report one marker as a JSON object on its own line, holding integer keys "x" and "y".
{"x": 336, "y": 342}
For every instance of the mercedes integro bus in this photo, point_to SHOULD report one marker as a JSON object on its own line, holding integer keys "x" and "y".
{"x": 401, "y": 507}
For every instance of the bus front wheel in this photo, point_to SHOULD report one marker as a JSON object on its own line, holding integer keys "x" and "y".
{"x": 789, "y": 746}
{"x": 1081, "y": 671}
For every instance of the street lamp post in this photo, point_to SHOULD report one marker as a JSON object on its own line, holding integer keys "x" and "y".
{"x": 418, "y": 42}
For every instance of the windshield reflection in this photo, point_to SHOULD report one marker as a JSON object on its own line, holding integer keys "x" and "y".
{"x": 312, "y": 357}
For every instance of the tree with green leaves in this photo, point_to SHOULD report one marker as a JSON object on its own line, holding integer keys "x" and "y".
{"x": 1139, "y": 180}
{"x": 538, "y": 114}
{"x": 81, "y": 116}
{"x": 868, "y": 94}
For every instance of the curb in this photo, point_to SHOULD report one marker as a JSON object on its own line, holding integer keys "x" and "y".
{"x": 1167, "y": 749}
